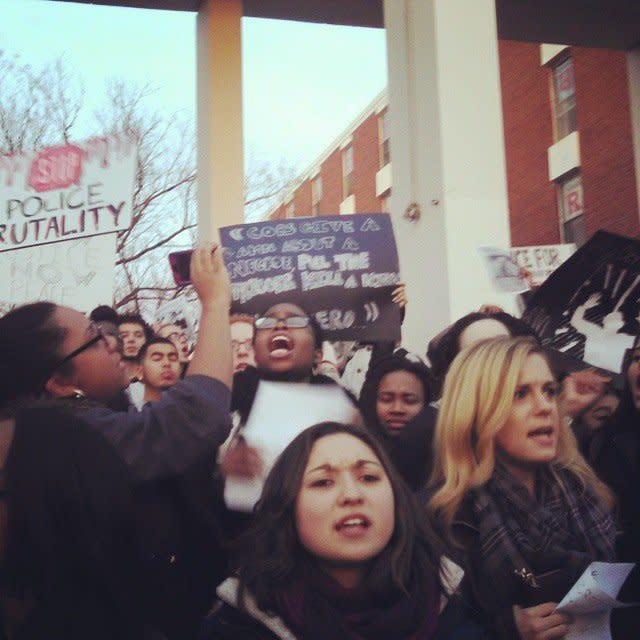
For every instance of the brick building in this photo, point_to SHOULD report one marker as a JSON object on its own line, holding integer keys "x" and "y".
{"x": 568, "y": 129}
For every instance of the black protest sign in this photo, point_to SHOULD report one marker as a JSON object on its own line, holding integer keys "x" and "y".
{"x": 588, "y": 307}
{"x": 340, "y": 269}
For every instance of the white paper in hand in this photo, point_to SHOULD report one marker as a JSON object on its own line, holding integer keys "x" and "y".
{"x": 280, "y": 411}
{"x": 592, "y": 598}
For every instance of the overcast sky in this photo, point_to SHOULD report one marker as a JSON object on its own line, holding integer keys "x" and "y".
{"x": 303, "y": 83}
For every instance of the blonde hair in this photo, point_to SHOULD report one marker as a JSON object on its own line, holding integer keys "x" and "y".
{"x": 476, "y": 403}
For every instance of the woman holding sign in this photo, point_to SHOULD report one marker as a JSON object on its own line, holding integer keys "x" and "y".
{"x": 512, "y": 493}
{"x": 340, "y": 550}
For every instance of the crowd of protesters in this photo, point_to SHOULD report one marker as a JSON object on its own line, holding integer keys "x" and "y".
{"x": 468, "y": 493}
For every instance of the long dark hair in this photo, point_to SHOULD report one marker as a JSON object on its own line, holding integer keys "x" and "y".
{"x": 272, "y": 557}
{"x": 30, "y": 344}
{"x": 71, "y": 542}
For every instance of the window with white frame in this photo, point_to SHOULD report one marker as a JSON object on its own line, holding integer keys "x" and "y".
{"x": 316, "y": 195}
{"x": 571, "y": 210}
{"x": 347, "y": 172}
{"x": 564, "y": 99}
{"x": 383, "y": 137}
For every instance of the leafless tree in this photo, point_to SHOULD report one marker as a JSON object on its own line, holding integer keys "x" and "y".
{"x": 40, "y": 107}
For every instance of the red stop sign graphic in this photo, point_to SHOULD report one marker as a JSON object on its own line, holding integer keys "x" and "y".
{"x": 56, "y": 168}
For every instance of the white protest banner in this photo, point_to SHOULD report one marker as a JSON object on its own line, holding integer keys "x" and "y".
{"x": 67, "y": 192}
{"x": 77, "y": 273}
{"x": 543, "y": 260}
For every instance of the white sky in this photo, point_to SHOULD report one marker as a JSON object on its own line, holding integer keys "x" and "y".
{"x": 303, "y": 83}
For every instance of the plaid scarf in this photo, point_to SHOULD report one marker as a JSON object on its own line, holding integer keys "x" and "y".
{"x": 565, "y": 529}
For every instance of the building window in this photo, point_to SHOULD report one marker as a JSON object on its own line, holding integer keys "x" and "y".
{"x": 564, "y": 99}
{"x": 316, "y": 195}
{"x": 571, "y": 208}
{"x": 347, "y": 172}
{"x": 383, "y": 136}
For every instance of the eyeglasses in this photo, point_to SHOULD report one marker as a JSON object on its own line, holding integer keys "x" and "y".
{"x": 100, "y": 335}
{"x": 292, "y": 322}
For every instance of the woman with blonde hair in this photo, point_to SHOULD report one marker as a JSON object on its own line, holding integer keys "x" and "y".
{"x": 511, "y": 491}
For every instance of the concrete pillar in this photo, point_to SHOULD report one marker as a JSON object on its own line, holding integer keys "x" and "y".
{"x": 447, "y": 149}
{"x": 219, "y": 113}
{"x": 633, "y": 68}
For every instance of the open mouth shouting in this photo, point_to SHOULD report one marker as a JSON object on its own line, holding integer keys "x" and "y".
{"x": 543, "y": 436}
{"x": 353, "y": 525}
{"x": 280, "y": 346}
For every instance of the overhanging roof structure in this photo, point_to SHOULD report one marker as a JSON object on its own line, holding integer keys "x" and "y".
{"x": 611, "y": 24}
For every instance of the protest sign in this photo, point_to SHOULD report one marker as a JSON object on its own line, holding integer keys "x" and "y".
{"x": 340, "y": 269}
{"x": 588, "y": 307}
{"x": 543, "y": 260}
{"x": 75, "y": 273}
{"x": 66, "y": 192}
{"x": 504, "y": 272}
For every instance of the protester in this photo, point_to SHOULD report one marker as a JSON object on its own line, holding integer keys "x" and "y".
{"x": 394, "y": 405}
{"x": 588, "y": 422}
{"x": 159, "y": 368}
{"x": 242, "y": 342}
{"x": 48, "y": 350}
{"x": 465, "y": 332}
{"x": 134, "y": 332}
{"x": 71, "y": 555}
{"x": 512, "y": 492}
{"x": 286, "y": 343}
{"x": 107, "y": 319}
{"x": 614, "y": 452}
{"x": 177, "y": 334}
{"x": 338, "y": 549}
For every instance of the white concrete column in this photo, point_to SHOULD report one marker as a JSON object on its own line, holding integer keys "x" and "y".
{"x": 219, "y": 112}
{"x": 633, "y": 68}
{"x": 447, "y": 150}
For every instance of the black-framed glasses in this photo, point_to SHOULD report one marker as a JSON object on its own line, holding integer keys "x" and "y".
{"x": 100, "y": 335}
{"x": 292, "y": 322}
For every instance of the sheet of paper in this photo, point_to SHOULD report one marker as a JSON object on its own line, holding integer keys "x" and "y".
{"x": 592, "y": 598}
{"x": 503, "y": 270}
{"x": 280, "y": 412}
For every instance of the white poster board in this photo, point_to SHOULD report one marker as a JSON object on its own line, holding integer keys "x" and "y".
{"x": 76, "y": 273}
{"x": 67, "y": 192}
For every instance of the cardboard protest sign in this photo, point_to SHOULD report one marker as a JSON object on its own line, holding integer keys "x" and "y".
{"x": 76, "y": 273}
{"x": 340, "y": 269}
{"x": 588, "y": 308}
{"x": 66, "y": 192}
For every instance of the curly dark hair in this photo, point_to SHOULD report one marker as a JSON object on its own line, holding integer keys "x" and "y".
{"x": 272, "y": 557}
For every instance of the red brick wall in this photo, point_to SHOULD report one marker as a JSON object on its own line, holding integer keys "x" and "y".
{"x": 366, "y": 163}
{"x": 302, "y": 199}
{"x": 528, "y": 133}
{"x": 331, "y": 184}
{"x": 606, "y": 151}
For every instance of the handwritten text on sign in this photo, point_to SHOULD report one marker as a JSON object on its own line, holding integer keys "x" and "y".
{"x": 66, "y": 192}
{"x": 77, "y": 273}
{"x": 340, "y": 269}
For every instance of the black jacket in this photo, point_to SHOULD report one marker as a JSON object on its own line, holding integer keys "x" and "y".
{"x": 227, "y": 622}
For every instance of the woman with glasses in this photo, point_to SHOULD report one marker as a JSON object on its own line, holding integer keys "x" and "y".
{"x": 53, "y": 353}
{"x": 394, "y": 405}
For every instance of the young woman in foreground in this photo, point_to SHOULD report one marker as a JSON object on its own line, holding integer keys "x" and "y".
{"x": 338, "y": 550}
{"x": 513, "y": 494}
